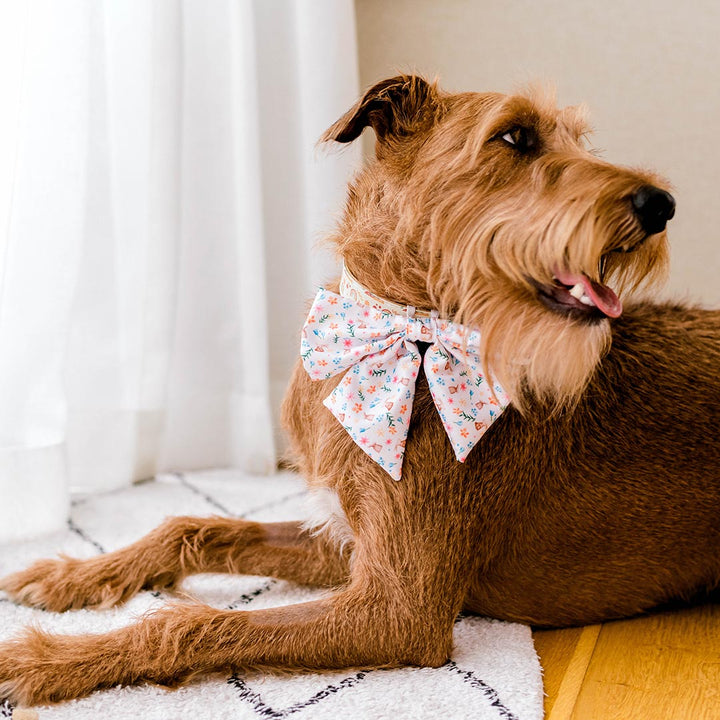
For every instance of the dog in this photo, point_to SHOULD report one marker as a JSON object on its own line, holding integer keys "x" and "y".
{"x": 592, "y": 490}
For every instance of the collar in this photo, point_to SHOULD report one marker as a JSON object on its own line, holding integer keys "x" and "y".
{"x": 351, "y": 287}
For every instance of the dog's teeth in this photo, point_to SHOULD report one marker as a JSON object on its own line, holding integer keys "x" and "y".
{"x": 585, "y": 300}
{"x": 577, "y": 291}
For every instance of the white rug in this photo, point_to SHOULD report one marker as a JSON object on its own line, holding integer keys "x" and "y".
{"x": 494, "y": 672}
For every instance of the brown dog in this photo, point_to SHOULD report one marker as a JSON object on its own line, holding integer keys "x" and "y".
{"x": 595, "y": 495}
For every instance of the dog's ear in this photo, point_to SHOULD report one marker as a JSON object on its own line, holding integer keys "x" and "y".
{"x": 395, "y": 108}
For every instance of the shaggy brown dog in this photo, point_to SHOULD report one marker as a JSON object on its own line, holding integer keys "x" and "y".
{"x": 595, "y": 495}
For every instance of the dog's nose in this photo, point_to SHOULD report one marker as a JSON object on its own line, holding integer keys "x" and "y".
{"x": 654, "y": 207}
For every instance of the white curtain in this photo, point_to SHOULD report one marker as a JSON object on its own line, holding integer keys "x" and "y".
{"x": 160, "y": 196}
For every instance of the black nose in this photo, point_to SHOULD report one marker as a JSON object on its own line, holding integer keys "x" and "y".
{"x": 654, "y": 207}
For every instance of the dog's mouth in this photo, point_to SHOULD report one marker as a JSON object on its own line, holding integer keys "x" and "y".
{"x": 579, "y": 296}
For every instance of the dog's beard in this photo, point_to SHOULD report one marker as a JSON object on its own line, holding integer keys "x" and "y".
{"x": 490, "y": 280}
{"x": 536, "y": 355}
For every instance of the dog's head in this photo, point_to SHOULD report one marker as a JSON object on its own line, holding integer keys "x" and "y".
{"x": 492, "y": 209}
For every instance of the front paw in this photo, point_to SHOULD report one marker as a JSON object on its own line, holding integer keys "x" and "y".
{"x": 67, "y": 584}
{"x": 36, "y": 669}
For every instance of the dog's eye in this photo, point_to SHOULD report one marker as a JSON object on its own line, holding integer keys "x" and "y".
{"x": 521, "y": 138}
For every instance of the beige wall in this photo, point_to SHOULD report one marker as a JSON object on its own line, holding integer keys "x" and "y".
{"x": 648, "y": 69}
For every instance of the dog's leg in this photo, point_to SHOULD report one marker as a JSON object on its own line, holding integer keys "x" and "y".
{"x": 355, "y": 628}
{"x": 409, "y": 578}
{"x": 177, "y": 548}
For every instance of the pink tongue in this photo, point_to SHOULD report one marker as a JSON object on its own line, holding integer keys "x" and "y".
{"x": 603, "y": 297}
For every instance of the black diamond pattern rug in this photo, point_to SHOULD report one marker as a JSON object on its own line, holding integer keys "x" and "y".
{"x": 494, "y": 672}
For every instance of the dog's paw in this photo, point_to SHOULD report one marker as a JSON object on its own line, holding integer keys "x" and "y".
{"x": 35, "y": 670}
{"x": 66, "y": 584}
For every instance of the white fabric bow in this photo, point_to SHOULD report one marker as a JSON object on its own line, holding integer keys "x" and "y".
{"x": 377, "y": 350}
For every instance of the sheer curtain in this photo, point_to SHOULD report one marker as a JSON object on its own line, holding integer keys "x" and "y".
{"x": 160, "y": 196}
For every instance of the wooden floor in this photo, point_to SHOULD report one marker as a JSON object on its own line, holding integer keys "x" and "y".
{"x": 665, "y": 666}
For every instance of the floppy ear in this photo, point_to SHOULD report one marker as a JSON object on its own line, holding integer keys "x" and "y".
{"x": 394, "y": 108}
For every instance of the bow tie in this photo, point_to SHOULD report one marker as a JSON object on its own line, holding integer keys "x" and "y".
{"x": 376, "y": 349}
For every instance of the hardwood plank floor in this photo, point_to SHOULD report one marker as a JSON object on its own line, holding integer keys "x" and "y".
{"x": 664, "y": 666}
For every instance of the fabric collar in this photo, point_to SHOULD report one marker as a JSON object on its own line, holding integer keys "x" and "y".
{"x": 351, "y": 287}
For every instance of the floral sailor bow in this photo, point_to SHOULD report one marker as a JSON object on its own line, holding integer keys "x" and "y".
{"x": 375, "y": 347}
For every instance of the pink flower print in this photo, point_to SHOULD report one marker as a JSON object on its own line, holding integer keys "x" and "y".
{"x": 363, "y": 441}
{"x": 347, "y": 342}
{"x": 389, "y": 441}
{"x": 463, "y": 387}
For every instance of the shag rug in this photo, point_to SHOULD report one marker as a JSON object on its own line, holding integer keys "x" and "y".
{"x": 494, "y": 672}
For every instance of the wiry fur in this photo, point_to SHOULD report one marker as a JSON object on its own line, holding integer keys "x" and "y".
{"x": 325, "y": 515}
{"x": 595, "y": 495}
